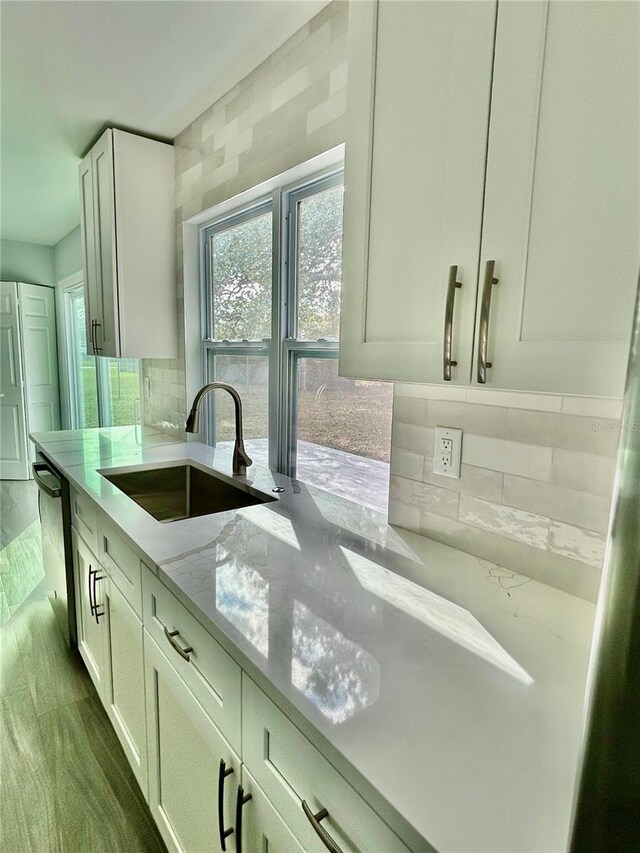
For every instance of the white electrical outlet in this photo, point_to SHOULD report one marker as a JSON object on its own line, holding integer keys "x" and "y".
{"x": 447, "y": 451}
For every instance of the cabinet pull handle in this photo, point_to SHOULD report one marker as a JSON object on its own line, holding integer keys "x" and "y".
{"x": 483, "y": 329}
{"x": 452, "y": 285}
{"x": 222, "y": 775}
{"x": 94, "y": 336}
{"x": 94, "y": 577}
{"x": 241, "y": 799}
{"x": 314, "y": 820}
{"x": 184, "y": 653}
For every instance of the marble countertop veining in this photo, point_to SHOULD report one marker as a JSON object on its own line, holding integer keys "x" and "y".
{"x": 438, "y": 683}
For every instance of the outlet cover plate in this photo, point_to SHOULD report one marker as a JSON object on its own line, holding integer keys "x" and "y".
{"x": 447, "y": 452}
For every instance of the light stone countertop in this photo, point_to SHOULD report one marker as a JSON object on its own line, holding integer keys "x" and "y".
{"x": 447, "y": 690}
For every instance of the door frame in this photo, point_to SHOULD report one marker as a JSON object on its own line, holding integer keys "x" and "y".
{"x": 64, "y": 365}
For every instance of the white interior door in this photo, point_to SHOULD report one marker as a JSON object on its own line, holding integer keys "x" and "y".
{"x": 37, "y": 305}
{"x": 419, "y": 89}
{"x": 562, "y": 200}
{"x": 14, "y": 461}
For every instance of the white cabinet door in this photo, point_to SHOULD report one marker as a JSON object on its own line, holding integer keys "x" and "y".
{"x": 185, "y": 754}
{"x": 14, "y": 462}
{"x": 39, "y": 341}
{"x": 124, "y": 696}
{"x": 419, "y": 89}
{"x": 87, "y": 233}
{"x": 262, "y": 827}
{"x": 562, "y": 196}
{"x": 90, "y": 612}
{"x": 104, "y": 310}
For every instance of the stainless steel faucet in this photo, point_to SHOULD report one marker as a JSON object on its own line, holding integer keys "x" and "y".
{"x": 241, "y": 459}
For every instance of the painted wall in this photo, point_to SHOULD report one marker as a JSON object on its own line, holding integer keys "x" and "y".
{"x": 536, "y": 481}
{"x": 28, "y": 262}
{"x": 289, "y": 109}
{"x": 67, "y": 255}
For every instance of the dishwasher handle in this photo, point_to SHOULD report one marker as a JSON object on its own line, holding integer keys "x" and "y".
{"x": 41, "y": 474}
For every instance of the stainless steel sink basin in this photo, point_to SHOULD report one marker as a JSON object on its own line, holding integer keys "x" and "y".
{"x": 184, "y": 491}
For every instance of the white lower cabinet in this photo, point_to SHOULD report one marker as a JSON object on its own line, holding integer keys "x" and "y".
{"x": 91, "y": 623}
{"x": 192, "y": 795}
{"x": 263, "y": 830}
{"x": 124, "y": 696}
{"x": 272, "y": 791}
{"x": 304, "y": 787}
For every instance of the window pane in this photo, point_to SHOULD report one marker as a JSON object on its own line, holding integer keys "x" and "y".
{"x": 83, "y": 366}
{"x": 249, "y": 375}
{"x": 343, "y": 432}
{"x": 241, "y": 279}
{"x": 120, "y": 387}
{"x": 320, "y": 265}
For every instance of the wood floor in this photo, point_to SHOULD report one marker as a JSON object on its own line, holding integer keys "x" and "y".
{"x": 65, "y": 784}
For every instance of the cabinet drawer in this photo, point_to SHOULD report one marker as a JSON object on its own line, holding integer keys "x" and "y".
{"x": 84, "y": 516}
{"x": 211, "y": 674}
{"x": 290, "y": 769}
{"x": 121, "y": 563}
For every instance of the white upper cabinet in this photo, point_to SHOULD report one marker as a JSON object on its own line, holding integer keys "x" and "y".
{"x": 551, "y": 197}
{"x": 128, "y": 238}
{"x": 419, "y": 89}
{"x": 562, "y": 199}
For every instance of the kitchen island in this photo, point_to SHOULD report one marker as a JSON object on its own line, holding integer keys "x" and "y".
{"x": 445, "y": 690}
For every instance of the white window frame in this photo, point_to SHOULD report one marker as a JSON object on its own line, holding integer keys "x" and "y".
{"x": 283, "y": 349}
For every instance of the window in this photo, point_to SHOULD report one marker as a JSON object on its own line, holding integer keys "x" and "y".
{"x": 273, "y": 283}
{"x": 102, "y": 391}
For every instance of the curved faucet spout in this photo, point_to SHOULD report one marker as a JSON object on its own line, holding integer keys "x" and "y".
{"x": 241, "y": 459}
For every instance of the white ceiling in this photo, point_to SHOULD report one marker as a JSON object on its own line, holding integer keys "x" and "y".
{"x": 70, "y": 68}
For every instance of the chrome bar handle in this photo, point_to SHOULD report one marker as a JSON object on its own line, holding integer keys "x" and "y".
{"x": 184, "y": 653}
{"x": 223, "y": 772}
{"x": 447, "y": 363}
{"x": 483, "y": 329}
{"x": 314, "y": 820}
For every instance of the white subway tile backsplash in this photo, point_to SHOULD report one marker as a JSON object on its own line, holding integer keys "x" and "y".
{"x": 515, "y": 400}
{"x": 338, "y": 79}
{"x": 404, "y": 516}
{"x": 505, "y": 521}
{"x": 583, "y": 471}
{"x": 289, "y": 88}
{"x": 479, "y": 420}
{"x": 480, "y": 482}
{"x": 593, "y": 407}
{"x": 424, "y": 496}
{"x": 431, "y": 392}
{"x": 569, "y": 505}
{"x": 404, "y": 463}
{"x": 569, "y": 432}
{"x": 416, "y": 438}
{"x": 226, "y": 133}
{"x": 449, "y": 531}
{"x": 582, "y": 545}
{"x": 334, "y": 108}
{"x": 510, "y": 457}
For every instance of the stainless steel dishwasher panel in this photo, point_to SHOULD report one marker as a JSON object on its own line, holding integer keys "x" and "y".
{"x": 55, "y": 516}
